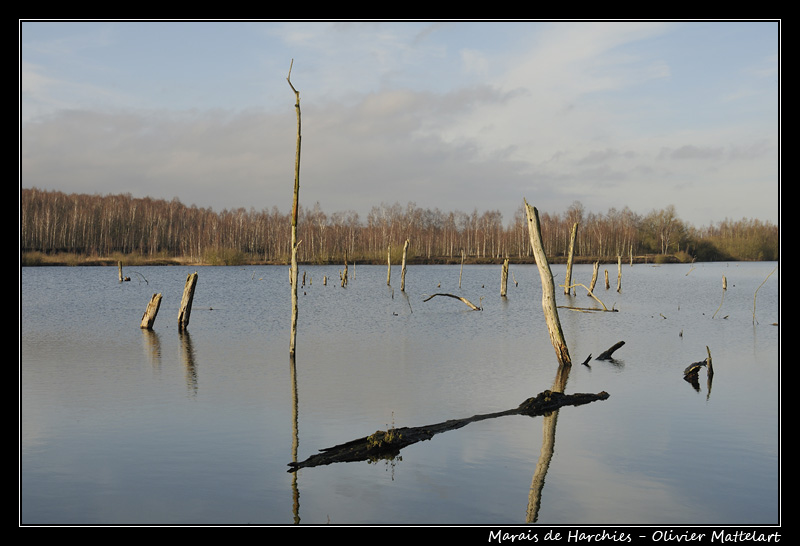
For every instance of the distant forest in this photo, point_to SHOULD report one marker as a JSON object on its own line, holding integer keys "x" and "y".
{"x": 53, "y": 223}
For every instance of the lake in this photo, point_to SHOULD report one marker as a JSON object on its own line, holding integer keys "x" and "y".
{"x": 124, "y": 426}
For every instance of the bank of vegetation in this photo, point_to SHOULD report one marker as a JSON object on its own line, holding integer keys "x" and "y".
{"x": 61, "y": 228}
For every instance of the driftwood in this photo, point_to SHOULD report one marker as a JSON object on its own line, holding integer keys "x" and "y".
{"x": 465, "y": 300}
{"x": 606, "y": 355}
{"x": 387, "y": 444}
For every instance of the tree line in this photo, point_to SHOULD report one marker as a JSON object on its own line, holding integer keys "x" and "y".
{"x": 54, "y": 222}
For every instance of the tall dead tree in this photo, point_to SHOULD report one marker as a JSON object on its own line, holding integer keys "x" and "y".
{"x": 294, "y": 216}
{"x": 548, "y": 287}
{"x": 572, "y": 238}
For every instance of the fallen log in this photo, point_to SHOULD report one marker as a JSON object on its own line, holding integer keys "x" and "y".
{"x": 387, "y": 444}
{"x": 465, "y": 300}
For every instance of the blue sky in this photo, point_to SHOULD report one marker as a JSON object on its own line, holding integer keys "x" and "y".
{"x": 453, "y": 115}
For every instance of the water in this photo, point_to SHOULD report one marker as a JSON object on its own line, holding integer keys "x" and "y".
{"x": 124, "y": 426}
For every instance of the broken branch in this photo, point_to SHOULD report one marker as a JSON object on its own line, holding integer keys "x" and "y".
{"x": 465, "y": 300}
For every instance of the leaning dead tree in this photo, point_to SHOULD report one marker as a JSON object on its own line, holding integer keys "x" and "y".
{"x": 186, "y": 301}
{"x": 572, "y": 238}
{"x": 590, "y": 293}
{"x": 387, "y": 444}
{"x": 756, "y": 293}
{"x": 548, "y": 287}
{"x": 293, "y": 333}
{"x": 150, "y": 313}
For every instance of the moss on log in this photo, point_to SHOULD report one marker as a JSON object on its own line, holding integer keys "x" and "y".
{"x": 387, "y": 444}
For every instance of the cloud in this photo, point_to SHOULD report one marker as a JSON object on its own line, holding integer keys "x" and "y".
{"x": 450, "y": 116}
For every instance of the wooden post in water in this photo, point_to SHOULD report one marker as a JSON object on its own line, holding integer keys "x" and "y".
{"x": 548, "y": 287}
{"x": 293, "y": 334}
{"x": 186, "y": 301}
{"x": 573, "y": 236}
{"x": 619, "y": 273}
{"x": 150, "y": 313}
{"x": 119, "y": 270}
{"x": 504, "y": 279}
{"x": 605, "y": 272}
{"x": 403, "y": 269}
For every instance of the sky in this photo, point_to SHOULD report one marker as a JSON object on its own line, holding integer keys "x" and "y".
{"x": 454, "y": 115}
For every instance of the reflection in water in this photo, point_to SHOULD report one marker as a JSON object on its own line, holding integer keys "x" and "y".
{"x": 187, "y": 351}
{"x": 387, "y": 444}
{"x": 295, "y": 440}
{"x": 152, "y": 347}
{"x": 548, "y": 447}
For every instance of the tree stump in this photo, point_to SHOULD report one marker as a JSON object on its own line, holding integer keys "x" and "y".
{"x": 186, "y": 301}
{"x": 150, "y": 313}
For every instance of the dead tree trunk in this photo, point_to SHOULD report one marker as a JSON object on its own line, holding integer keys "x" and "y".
{"x": 119, "y": 270}
{"x": 504, "y": 279}
{"x": 548, "y": 287}
{"x": 389, "y": 266}
{"x": 619, "y": 273}
{"x": 186, "y": 301}
{"x": 462, "y": 269}
{"x": 403, "y": 269}
{"x": 572, "y": 238}
{"x": 150, "y": 313}
{"x": 293, "y": 333}
{"x": 594, "y": 277}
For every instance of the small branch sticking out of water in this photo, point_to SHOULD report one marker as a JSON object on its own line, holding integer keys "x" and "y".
{"x": 465, "y": 300}
{"x": 606, "y": 355}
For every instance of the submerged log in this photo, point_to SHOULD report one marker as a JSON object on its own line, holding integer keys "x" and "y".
{"x": 606, "y": 355}
{"x": 387, "y": 444}
{"x": 465, "y": 300}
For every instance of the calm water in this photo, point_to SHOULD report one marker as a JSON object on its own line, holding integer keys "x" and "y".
{"x": 124, "y": 426}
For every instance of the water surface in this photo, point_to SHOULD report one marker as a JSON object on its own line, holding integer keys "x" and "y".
{"x": 124, "y": 426}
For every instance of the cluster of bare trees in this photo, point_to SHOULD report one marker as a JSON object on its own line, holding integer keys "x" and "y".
{"x": 96, "y": 225}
